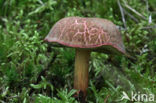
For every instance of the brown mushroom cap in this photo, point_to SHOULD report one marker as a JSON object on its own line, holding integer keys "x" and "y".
{"x": 90, "y": 33}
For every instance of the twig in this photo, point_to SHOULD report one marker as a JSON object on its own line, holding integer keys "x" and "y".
{"x": 105, "y": 101}
{"x": 146, "y": 27}
{"x": 149, "y": 27}
{"x": 153, "y": 12}
{"x": 147, "y": 5}
{"x": 43, "y": 72}
{"x": 133, "y": 10}
{"x": 131, "y": 16}
{"x": 2, "y": 101}
{"x": 122, "y": 14}
{"x": 120, "y": 28}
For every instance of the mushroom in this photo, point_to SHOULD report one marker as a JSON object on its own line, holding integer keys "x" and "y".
{"x": 86, "y": 35}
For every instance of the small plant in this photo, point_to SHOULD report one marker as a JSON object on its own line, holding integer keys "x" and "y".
{"x": 64, "y": 95}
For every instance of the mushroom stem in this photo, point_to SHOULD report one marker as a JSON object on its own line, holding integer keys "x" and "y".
{"x": 81, "y": 70}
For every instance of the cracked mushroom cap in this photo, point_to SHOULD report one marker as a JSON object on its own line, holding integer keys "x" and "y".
{"x": 89, "y": 33}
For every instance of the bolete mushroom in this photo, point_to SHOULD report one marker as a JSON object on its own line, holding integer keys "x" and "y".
{"x": 86, "y": 35}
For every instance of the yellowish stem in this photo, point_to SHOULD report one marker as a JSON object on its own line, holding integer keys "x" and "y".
{"x": 81, "y": 70}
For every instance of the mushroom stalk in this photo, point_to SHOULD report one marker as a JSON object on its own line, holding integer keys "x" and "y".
{"x": 81, "y": 70}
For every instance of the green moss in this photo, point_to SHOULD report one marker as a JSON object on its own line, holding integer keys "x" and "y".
{"x": 23, "y": 54}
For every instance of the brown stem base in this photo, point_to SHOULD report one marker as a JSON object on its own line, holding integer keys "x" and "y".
{"x": 81, "y": 71}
